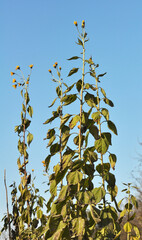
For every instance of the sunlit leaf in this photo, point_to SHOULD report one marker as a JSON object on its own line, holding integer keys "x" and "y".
{"x": 74, "y": 121}
{"x": 74, "y": 177}
{"x": 29, "y": 138}
{"x": 112, "y": 159}
{"x": 53, "y": 102}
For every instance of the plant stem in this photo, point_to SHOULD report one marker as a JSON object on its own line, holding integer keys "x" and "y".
{"x": 61, "y": 114}
{"x": 128, "y": 233}
{"x": 100, "y": 133}
{"x": 81, "y": 98}
{"x": 8, "y": 218}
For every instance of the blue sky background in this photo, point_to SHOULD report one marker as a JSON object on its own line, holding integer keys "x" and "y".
{"x": 42, "y": 32}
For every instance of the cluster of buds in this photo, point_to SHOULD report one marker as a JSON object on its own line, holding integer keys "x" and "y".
{"x": 83, "y": 24}
{"x": 44, "y": 163}
{"x": 55, "y": 66}
{"x": 14, "y": 79}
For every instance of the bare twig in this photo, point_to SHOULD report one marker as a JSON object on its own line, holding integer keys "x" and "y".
{"x": 9, "y": 227}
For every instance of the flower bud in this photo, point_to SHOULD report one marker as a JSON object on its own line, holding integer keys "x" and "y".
{"x": 75, "y": 23}
{"x": 17, "y": 67}
{"x": 31, "y": 66}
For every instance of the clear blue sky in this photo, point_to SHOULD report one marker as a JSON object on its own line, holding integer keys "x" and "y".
{"x": 42, "y": 32}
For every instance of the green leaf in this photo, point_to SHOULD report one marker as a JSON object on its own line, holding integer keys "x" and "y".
{"x": 74, "y": 121}
{"x": 63, "y": 193}
{"x": 65, "y": 119}
{"x": 134, "y": 201}
{"x": 39, "y": 213}
{"x": 103, "y": 143}
{"x": 27, "y": 123}
{"x": 58, "y": 91}
{"x": 23, "y": 108}
{"x": 78, "y": 227}
{"x": 112, "y": 127}
{"x": 76, "y": 140}
{"x": 127, "y": 227}
{"x": 55, "y": 148}
{"x": 26, "y": 96}
{"x": 69, "y": 88}
{"x": 79, "y": 85}
{"x": 55, "y": 115}
{"x": 87, "y": 85}
{"x": 53, "y": 102}
{"x": 50, "y": 133}
{"x": 30, "y": 110}
{"x": 80, "y": 42}
{"x": 68, "y": 99}
{"x": 103, "y": 168}
{"x": 109, "y": 102}
{"x": 29, "y": 138}
{"x": 105, "y": 113}
{"x": 90, "y": 100}
{"x": 90, "y": 155}
{"x": 113, "y": 191}
{"x": 99, "y": 194}
{"x": 101, "y": 75}
{"x": 73, "y": 58}
{"x": 86, "y": 139}
{"x": 112, "y": 159}
{"x": 72, "y": 71}
{"x": 52, "y": 139}
{"x": 89, "y": 170}
{"x": 137, "y": 232}
{"x": 53, "y": 187}
{"x": 74, "y": 177}
{"x": 77, "y": 165}
{"x": 110, "y": 179}
{"x": 84, "y": 197}
{"x": 96, "y": 116}
{"x": 128, "y": 206}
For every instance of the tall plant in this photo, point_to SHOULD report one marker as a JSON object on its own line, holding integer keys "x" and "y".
{"x": 81, "y": 210}
{"x": 26, "y": 202}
